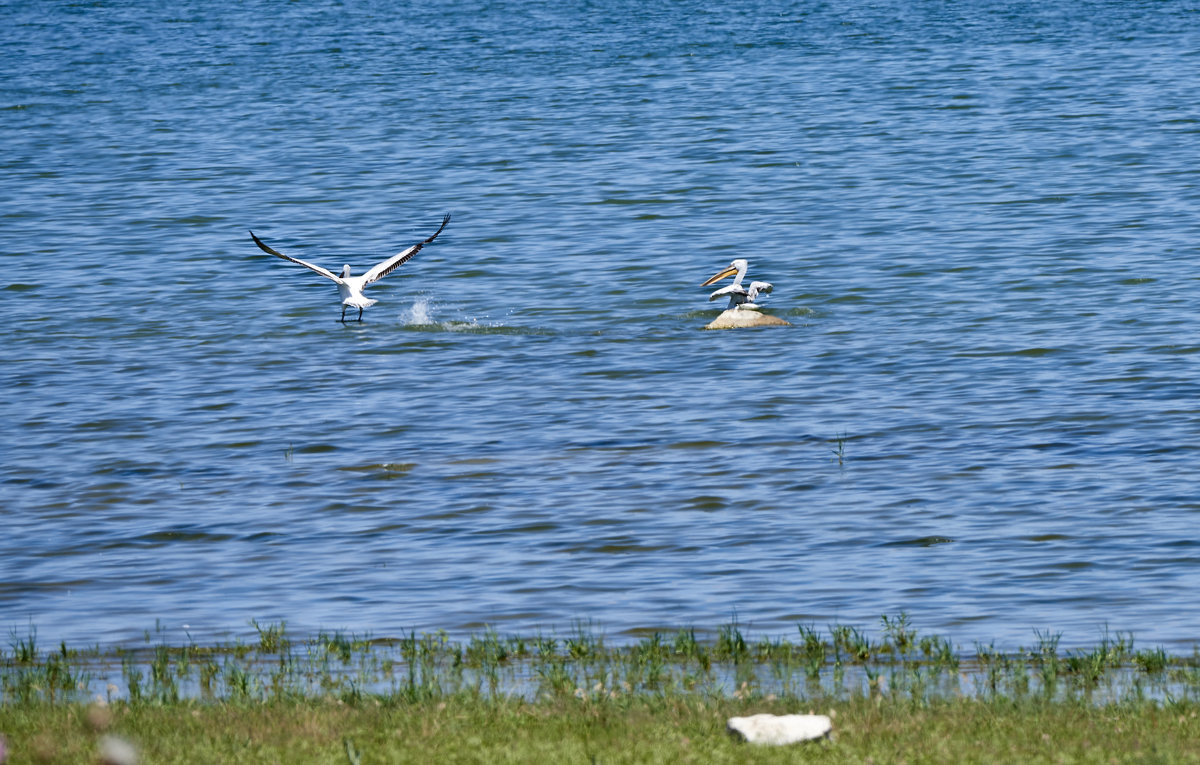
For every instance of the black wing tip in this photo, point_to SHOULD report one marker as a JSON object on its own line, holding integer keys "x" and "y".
{"x": 263, "y": 246}
{"x": 259, "y": 242}
{"x": 445, "y": 221}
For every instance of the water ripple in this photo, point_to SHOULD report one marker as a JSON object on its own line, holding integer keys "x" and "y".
{"x": 979, "y": 222}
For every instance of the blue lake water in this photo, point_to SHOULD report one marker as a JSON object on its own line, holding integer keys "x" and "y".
{"x": 980, "y": 218}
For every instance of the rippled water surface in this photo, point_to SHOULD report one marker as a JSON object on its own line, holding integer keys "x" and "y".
{"x": 981, "y": 220}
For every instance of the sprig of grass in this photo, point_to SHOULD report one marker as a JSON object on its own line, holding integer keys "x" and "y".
{"x": 840, "y": 450}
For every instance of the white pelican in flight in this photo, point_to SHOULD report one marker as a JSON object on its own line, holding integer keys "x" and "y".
{"x": 351, "y": 287}
{"x": 739, "y": 296}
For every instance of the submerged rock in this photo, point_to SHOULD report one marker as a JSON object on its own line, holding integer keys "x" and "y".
{"x": 778, "y": 730}
{"x": 745, "y": 317}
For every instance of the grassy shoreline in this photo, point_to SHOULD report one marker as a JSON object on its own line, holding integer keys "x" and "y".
{"x": 895, "y": 696}
{"x": 634, "y": 730}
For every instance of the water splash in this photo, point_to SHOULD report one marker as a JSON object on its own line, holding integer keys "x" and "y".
{"x": 419, "y": 317}
{"x": 419, "y": 314}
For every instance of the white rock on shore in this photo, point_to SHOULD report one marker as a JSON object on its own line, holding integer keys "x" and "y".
{"x": 117, "y": 751}
{"x": 778, "y": 730}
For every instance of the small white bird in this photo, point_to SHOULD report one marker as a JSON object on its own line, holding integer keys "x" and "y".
{"x": 739, "y": 296}
{"x": 351, "y": 287}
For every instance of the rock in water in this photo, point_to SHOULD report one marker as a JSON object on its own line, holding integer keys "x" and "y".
{"x": 742, "y": 317}
{"x": 777, "y": 730}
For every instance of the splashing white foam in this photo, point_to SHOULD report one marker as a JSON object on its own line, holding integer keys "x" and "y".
{"x": 419, "y": 313}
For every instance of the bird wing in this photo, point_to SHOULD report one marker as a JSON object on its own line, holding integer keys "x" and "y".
{"x": 322, "y": 271}
{"x": 381, "y": 270}
{"x": 761, "y": 287}
{"x": 732, "y": 289}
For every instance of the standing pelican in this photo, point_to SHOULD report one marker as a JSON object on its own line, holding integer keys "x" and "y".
{"x": 739, "y": 296}
{"x": 351, "y": 287}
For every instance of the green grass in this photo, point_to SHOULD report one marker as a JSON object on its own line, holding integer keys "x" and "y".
{"x": 896, "y": 696}
{"x": 624, "y": 729}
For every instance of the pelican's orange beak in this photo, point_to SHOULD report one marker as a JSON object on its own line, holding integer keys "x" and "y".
{"x": 719, "y": 276}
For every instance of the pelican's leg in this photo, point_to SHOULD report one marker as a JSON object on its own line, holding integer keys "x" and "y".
{"x": 343, "y": 319}
{"x": 360, "y": 313}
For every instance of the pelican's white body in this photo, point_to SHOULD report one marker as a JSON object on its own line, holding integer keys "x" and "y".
{"x": 351, "y": 289}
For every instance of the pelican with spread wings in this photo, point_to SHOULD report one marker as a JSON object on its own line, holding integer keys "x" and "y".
{"x": 739, "y": 296}
{"x": 351, "y": 287}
